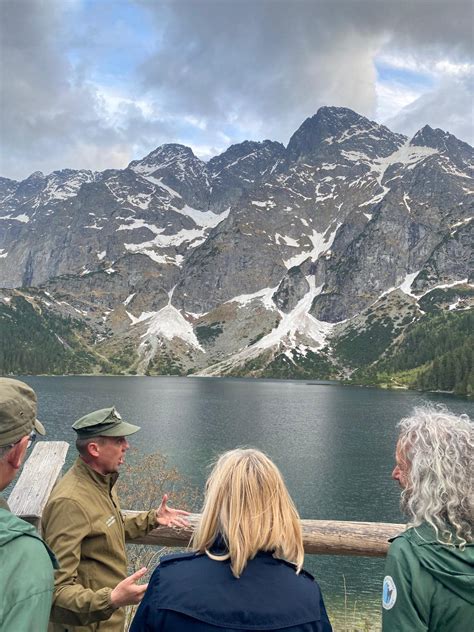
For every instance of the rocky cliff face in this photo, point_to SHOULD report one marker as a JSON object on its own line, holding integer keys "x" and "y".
{"x": 226, "y": 266}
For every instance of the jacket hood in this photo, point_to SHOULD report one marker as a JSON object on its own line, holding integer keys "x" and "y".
{"x": 450, "y": 565}
{"x": 12, "y": 527}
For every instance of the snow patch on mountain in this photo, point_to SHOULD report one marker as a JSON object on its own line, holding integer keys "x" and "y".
{"x": 297, "y": 329}
{"x": 128, "y": 299}
{"x": 169, "y": 323}
{"x": 166, "y": 241}
{"x": 407, "y": 155}
{"x": 457, "y": 225}
{"x": 141, "y": 200}
{"x": 140, "y": 223}
{"x": 58, "y": 188}
{"x": 162, "y": 185}
{"x": 265, "y": 296}
{"x": 24, "y": 219}
{"x": 321, "y": 242}
{"x": 204, "y": 219}
{"x": 287, "y": 241}
{"x": 298, "y": 322}
{"x": 406, "y": 284}
{"x": 143, "y": 316}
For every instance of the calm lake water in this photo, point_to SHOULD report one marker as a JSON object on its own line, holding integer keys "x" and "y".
{"x": 334, "y": 445}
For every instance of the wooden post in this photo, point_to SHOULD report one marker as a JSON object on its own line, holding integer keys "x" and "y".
{"x": 37, "y": 479}
{"x": 329, "y": 537}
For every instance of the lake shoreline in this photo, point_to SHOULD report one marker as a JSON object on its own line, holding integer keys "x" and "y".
{"x": 383, "y": 387}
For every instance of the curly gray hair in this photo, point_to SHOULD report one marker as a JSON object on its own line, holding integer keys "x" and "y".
{"x": 439, "y": 449}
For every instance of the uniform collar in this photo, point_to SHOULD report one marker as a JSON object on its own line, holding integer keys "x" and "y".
{"x": 105, "y": 481}
{"x": 3, "y": 503}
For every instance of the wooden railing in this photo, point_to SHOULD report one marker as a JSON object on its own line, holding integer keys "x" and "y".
{"x": 330, "y": 537}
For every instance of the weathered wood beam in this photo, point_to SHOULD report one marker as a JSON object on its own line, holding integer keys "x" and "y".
{"x": 329, "y": 537}
{"x": 37, "y": 479}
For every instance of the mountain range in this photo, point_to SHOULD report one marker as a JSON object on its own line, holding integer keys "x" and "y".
{"x": 320, "y": 259}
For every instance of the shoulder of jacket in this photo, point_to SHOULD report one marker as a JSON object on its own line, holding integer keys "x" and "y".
{"x": 416, "y": 536}
{"x": 166, "y": 560}
{"x": 67, "y": 498}
{"x": 400, "y": 540}
{"x": 10, "y": 523}
{"x": 402, "y": 536}
{"x": 74, "y": 484}
{"x": 302, "y": 573}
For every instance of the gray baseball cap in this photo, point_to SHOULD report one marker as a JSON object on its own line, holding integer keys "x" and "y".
{"x": 18, "y": 406}
{"x": 106, "y": 422}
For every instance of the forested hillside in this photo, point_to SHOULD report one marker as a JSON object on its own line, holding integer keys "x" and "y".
{"x": 41, "y": 342}
{"x": 436, "y": 353}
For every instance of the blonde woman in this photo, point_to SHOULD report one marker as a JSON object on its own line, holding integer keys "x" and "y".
{"x": 246, "y": 569}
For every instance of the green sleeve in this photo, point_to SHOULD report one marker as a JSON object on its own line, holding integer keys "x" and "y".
{"x": 402, "y": 608}
{"x": 26, "y": 586}
{"x": 65, "y": 525}
{"x": 139, "y": 524}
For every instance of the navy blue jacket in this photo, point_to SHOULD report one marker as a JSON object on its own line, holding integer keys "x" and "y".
{"x": 192, "y": 593}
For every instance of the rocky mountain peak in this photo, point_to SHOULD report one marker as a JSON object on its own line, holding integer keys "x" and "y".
{"x": 429, "y": 137}
{"x": 443, "y": 141}
{"x": 164, "y": 156}
{"x": 333, "y": 129}
{"x": 248, "y": 151}
{"x": 36, "y": 175}
{"x": 176, "y": 166}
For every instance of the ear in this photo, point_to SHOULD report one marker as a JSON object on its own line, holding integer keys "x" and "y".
{"x": 17, "y": 453}
{"x": 93, "y": 448}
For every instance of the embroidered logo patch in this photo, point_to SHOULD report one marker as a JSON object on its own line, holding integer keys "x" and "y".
{"x": 389, "y": 596}
{"x": 110, "y": 521}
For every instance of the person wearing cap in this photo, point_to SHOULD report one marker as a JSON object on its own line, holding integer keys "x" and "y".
{"x": 26, "y": 563}
{"x": 84, "y": 526}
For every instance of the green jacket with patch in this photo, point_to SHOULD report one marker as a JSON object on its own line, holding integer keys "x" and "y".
{"x": 428, "y": 586}
{"x": 84, "y": 526}
{"x": 26, "y": 576}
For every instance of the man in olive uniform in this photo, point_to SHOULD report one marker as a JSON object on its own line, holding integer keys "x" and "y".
{"x": 84, "y": 526}
{"x": 429, "y": 572}
{"x": 26, "y": 563}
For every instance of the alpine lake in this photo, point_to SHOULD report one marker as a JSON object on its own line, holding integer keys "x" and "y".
{"x": 334, "y": 445}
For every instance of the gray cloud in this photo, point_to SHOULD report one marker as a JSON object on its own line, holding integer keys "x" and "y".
{"x": 436, "y": 109}
{"x": 52, "y": 115}
{"x": 265, "y": 66}
{"x": 259, "y": 65}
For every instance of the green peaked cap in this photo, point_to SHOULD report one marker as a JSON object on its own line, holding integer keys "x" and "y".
{"x": 17, "y": 411}
{"x": 105, "y": 422}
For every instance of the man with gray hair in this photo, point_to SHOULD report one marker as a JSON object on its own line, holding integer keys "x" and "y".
{"x": 26, "y": 563}
{"x": 429, "y": 572}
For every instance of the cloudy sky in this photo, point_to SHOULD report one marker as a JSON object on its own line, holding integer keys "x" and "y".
{"x": 96, "y": 83}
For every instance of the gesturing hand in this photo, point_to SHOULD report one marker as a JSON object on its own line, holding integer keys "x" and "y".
{"x": 127, "y": 592}
{"x": 169, "y": 517}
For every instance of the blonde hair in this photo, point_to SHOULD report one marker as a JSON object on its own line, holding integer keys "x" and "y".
{"x": 247, "y": 503}
{"x": 439, "y": 448}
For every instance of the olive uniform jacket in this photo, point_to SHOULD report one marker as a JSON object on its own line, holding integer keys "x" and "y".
{"x": 83, "y": 525}
{"x": 428, "y": 586}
